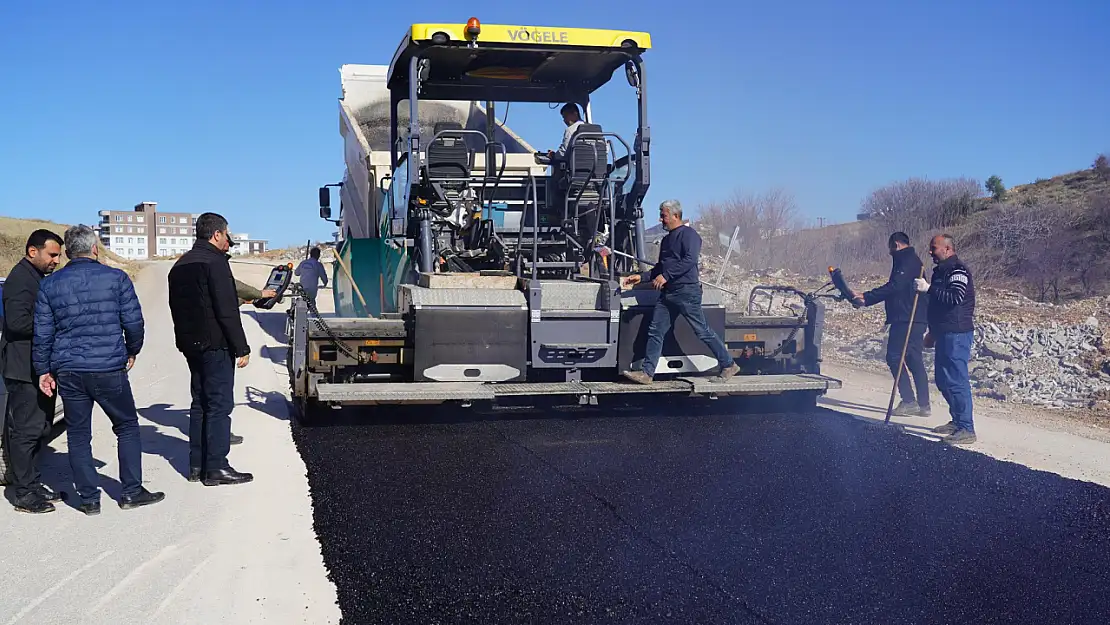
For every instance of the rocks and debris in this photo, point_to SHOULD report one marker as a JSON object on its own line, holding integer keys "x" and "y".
{"x": 1055, "y": 356}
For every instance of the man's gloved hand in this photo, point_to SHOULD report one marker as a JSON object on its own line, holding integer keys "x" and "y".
{"x": 920, "y": 285}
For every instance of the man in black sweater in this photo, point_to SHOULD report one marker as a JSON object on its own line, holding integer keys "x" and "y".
{"x": 676, "y": 276}
{"x": 952, "y": 331}
{"x": 209, "y": 332}
{"x": 898, "y": 296}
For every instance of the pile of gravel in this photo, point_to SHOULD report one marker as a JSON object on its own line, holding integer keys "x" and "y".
{"x": 1061, "y": 366}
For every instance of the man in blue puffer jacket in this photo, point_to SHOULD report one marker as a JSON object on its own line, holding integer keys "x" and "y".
{"x": 88, "y": 331}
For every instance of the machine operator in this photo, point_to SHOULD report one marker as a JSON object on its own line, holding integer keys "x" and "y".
{"x": 573, "y": 120}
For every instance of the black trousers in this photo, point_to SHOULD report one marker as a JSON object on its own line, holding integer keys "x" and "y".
{"x": 30, "y": 418}
{"x": 915, "y": 364}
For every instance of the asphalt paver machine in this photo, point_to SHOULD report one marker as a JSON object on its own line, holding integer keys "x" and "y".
{"x": 471, "y": 267}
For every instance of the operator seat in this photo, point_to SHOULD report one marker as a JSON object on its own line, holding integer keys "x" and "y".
{"x": 586, "y": 179}
{"x": 448, "y": 158}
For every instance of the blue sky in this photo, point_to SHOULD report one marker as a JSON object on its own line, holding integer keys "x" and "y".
{"x": 231, "y": 106}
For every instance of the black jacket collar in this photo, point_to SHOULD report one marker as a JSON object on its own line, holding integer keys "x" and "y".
{"x": 948, "y": 263}
{"x": 206, "y": 246}
{"x": 30, "y": 267}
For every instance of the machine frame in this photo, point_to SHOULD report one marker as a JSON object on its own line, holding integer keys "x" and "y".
{"x": 461, "y": 322}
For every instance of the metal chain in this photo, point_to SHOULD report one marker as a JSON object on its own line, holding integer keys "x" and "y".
{"x": 321, "y": 325}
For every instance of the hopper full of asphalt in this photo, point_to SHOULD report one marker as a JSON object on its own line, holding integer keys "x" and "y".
{"x": 706, "y": 518}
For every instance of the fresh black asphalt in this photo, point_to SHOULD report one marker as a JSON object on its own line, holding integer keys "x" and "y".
{"x": 713, "y": 517}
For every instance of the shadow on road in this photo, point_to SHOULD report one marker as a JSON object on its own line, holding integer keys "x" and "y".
{"x": 272, "y": 323}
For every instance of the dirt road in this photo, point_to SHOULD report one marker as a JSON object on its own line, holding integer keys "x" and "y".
{"x": 230, "y": 554}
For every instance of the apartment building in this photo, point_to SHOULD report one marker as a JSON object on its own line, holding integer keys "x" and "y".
{"x": 247, "y": 245}
{"x": 145, "y": 232}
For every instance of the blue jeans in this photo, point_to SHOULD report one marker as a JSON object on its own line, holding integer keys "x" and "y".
{"x": 213, "y": 389}
{"x": 953, "y": 351}
{"x": 112, "y": 392}
{"x": 685, "y": 301}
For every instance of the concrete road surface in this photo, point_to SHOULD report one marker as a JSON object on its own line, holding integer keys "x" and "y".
{"x": 228, "y": 554}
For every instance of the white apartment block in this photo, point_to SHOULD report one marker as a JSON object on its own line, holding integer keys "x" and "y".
{"x": 146, "y": 232}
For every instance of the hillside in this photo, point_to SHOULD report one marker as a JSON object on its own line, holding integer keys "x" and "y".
{"x": 13, "y": 237}
{"x": 1075, "y": 187}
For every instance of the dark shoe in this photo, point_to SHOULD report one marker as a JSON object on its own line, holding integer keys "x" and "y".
{"x": 33, "y": 503}
{"x": 194, "y": 474}
{"x": 947, "y": 428}
{"x": 728, "y": 372}
{"x": 226, "y": 476}
{"x": 236, "y": 439}
{"x": 90, "y": 508}
{"x": 909, "y": 409}
{"x": 638, "y": 376}
{"x": 960, "y": 437}
{"x": 47, "y": 494}
{"x": 144, "y": 498}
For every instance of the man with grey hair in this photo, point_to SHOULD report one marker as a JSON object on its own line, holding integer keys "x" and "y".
{"x": 88, "y": 331}
{"x": 676, "y": 277}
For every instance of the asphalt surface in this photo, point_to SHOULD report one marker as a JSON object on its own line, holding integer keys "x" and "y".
{"x": 713, "y": 518}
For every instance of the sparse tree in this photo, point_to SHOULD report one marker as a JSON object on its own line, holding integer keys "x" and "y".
{"x": 996, "y": 188}
{"x": 918, "y": 206}
{"x": 1102, "y": 166}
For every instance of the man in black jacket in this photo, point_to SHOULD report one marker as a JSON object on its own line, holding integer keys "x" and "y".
{"x": 30, "y": 412}
{"x": 208, "y": 331}
{"x": 952, "y": 331}
{"x": 898, "y": 296}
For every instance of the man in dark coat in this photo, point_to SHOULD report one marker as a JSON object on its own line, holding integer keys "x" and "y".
{"x": 208, "y": 331}
{"x": 31, "y": 413}
{"x": 88, "y": 331}
{"x": 898, "y": 296}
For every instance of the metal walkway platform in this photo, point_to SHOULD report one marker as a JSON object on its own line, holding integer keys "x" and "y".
{"x": 436, "y": 392}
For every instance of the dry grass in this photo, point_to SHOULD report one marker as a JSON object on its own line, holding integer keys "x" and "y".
{"x": 1050, "y": 240}
{"x": 13, "y": 237}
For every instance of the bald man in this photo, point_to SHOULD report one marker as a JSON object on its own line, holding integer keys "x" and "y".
{"x": 952, "y": 330}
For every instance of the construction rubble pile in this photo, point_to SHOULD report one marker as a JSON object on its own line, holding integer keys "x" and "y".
{"x": 1028, "y": 352}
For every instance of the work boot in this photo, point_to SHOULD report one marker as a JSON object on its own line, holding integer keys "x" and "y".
{"x": 947, "y": 428}
{"x": 638, "y": 376}
{"x": 908, "y": 409}
{"x": 226, "y": 476}
{"x": 33, "y": 503}
{"x": 144, "y": 498}
{"x": 960, "y": 437}
{"x": 90, "y": 508}
{"x": 236, "y": 439}
{"x": 47, "y": 493}
{"x": 728, "y": 372}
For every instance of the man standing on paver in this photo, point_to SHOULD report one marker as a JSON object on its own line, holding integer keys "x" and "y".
{"x": 88, "y": 331}
{"x": 30, "y": 412}
{"x": 208, "y": 331}
{"x": 899, "y": 298}
{"x": 312, "y": 274}
{"x": 952, "y": 330}
{"x": 676, "y": 277}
